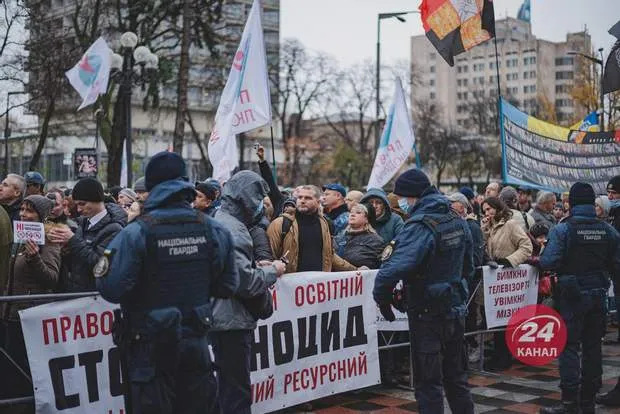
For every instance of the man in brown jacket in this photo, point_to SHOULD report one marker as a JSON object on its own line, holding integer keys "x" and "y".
{"x": 305, "y": 240}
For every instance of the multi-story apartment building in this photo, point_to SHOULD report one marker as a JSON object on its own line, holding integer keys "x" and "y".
{"x": 152, "y": 129}
{"x": 531, "y": 71}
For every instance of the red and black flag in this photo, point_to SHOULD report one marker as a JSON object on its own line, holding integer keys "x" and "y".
{"x": 455, "y": 26}
{"x": 611, "y": 77}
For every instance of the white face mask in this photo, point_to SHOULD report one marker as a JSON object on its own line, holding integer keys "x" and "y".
{"x": 403, "y": 204}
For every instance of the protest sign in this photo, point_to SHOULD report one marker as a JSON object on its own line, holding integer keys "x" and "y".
{"x": 85, "y": 162}
{"x": 74, "y": 363}
{"x": 546, "y": 156}
{"x": 506, "y": 290}
{"x": 28, "y": 230}
{"x": 321, "y": 340}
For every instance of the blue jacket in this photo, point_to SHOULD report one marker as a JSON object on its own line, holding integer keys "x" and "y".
{"x": 554, "y": 254}
{"x": 127, "y": 252}
{"x": 412, "y": 247}
{"x": 389, "y": 224}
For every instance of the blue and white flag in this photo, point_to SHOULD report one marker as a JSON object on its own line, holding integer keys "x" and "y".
{"x": 90, "y": 76}
{"x": 396, "y": 143}
{"x": 589, "y": 123}
{"x": 246, "y": 100}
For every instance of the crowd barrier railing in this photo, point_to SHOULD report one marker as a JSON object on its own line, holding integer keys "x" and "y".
{"x": 388, "y": 339}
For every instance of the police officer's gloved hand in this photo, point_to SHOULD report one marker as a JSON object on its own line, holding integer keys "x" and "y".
{"x": 386, "y": 311}
{"x": 492, "y": 264}
{"x": 504, "y": 262}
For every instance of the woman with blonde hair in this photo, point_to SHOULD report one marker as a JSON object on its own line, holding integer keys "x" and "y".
{"x": 361, "y": 245}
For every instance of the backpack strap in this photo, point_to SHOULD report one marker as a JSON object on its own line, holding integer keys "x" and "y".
{"x": 287, "y": 223}
{"x": 527, "y": 224}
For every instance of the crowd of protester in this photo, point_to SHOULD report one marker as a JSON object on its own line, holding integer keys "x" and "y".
{"x": 308, "y": 228}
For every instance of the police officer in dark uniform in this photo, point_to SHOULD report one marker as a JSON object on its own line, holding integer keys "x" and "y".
{"x": 585, "y": 253}
{"x": 164, "y": 268}
{"x": 433, "y": 256}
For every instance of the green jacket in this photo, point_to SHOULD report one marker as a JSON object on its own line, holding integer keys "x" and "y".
{"x": 6, "y": 239}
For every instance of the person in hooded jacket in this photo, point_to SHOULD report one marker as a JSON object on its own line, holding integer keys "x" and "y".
{"x": 361, "y": 245}
{"x": 165, "y": 268}
{"x": 232, "y": 334}
{"x": 97, "y": 226}
{"x": 387, "y": 224}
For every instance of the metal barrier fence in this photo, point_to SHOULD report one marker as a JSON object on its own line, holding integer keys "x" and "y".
{"x": 389, "y": 345}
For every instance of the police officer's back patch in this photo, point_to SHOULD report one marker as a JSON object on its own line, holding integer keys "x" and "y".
{"x": 103, "y": 265}
{"x": 387, "y": 252}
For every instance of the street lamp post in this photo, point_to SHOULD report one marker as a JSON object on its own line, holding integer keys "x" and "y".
{"x": 7, "y": 131}
{"x": 381, "y": 16}
{"x": 124, "y": 74}
{"x": 602, "y": 96}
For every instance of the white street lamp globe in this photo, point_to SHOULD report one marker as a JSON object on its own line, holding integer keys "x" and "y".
{"x": 116, "y": 61}
{"x": 129, "y": 40}
{"x": 152, "y": 61}
{"x": 141, "y": 54}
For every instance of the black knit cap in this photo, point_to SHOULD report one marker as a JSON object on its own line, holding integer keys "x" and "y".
{"x": 164, "y": 166}
{"x": 581, "y": 193}
{"x": 411, "y": 183}
{"x": 614, "y": 184}
{"x": 88, "y": 189}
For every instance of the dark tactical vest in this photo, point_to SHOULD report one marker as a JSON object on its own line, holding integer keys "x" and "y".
{"x": 440, "y": 289}
{"x": 178, "y": 267}
{"x": 588, "y": 252}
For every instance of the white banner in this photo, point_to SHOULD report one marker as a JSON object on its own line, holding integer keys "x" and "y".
{"x": 90, "y": 76}
{"x": 75, "y": 366}
{"x": 321, "y": 340}
{"x": 245, "y": 103}
{"x": 396, "y": 143}
{"x": 506, "y": 290}
{"x": 28, "y": 230}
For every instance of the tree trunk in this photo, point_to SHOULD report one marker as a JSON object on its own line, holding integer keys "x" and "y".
{"x": 205, "y": 165}
{"x": 115, "y": 146}
{"x": 438, "y": 177}
{"x": 183, "y": 81}
{"x": 43, "y": 135}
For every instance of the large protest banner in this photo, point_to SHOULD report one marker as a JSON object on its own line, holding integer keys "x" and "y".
{"x": 506, "y": 290}
{"x": 546, "y": 156}
{"x": 321, "y": 340}
{"x": 74, "y": 363}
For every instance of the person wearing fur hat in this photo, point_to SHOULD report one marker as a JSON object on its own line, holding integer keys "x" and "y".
{"x": 585, "y": 253}
{"x": 34, "y": 270}
{"x": 433, "y": 256}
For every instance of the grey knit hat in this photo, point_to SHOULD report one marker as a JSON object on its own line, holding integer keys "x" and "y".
{"x": 139, "y": 186}
{"x": 42, "y": 205}
{"x": 129, "y": 193}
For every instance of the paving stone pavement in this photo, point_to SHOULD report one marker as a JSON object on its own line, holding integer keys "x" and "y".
{"x": 520, "y": 389}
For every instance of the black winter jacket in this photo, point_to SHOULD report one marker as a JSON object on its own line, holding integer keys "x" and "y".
{"x": 363, "y": 249}
{"x": 87, "y": 245}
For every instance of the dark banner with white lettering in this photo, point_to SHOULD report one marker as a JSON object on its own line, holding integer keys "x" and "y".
{"x": 546, "y": 156}
{"x": 321, "y": 340}
{"x": 74, "y": 363}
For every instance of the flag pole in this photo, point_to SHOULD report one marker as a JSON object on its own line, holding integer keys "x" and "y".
{"x": 499, "y": 88}
{"x": 273, "y": 154}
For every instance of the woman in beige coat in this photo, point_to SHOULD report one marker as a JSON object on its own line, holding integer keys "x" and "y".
{"x": 506, "y": 242}
{"x": 508, "y": 245}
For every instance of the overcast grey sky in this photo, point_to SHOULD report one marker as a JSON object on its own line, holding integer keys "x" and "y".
{"x": 346, "y": 29}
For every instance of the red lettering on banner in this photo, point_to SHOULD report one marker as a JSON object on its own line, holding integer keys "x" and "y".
{"x": 321, "y": 292}
{"x": 311, "y": 378}
{"x": 244, "y": 117}
{"x": 77, "y": 328}
{"x": 65, "y": 324}
{"x": 46, "y": 338}
{"x": 91, "y": 324}
{"x": 82, "y": 327}
{"x": 109, "y": 317}
{"x": 274, "y": 298}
